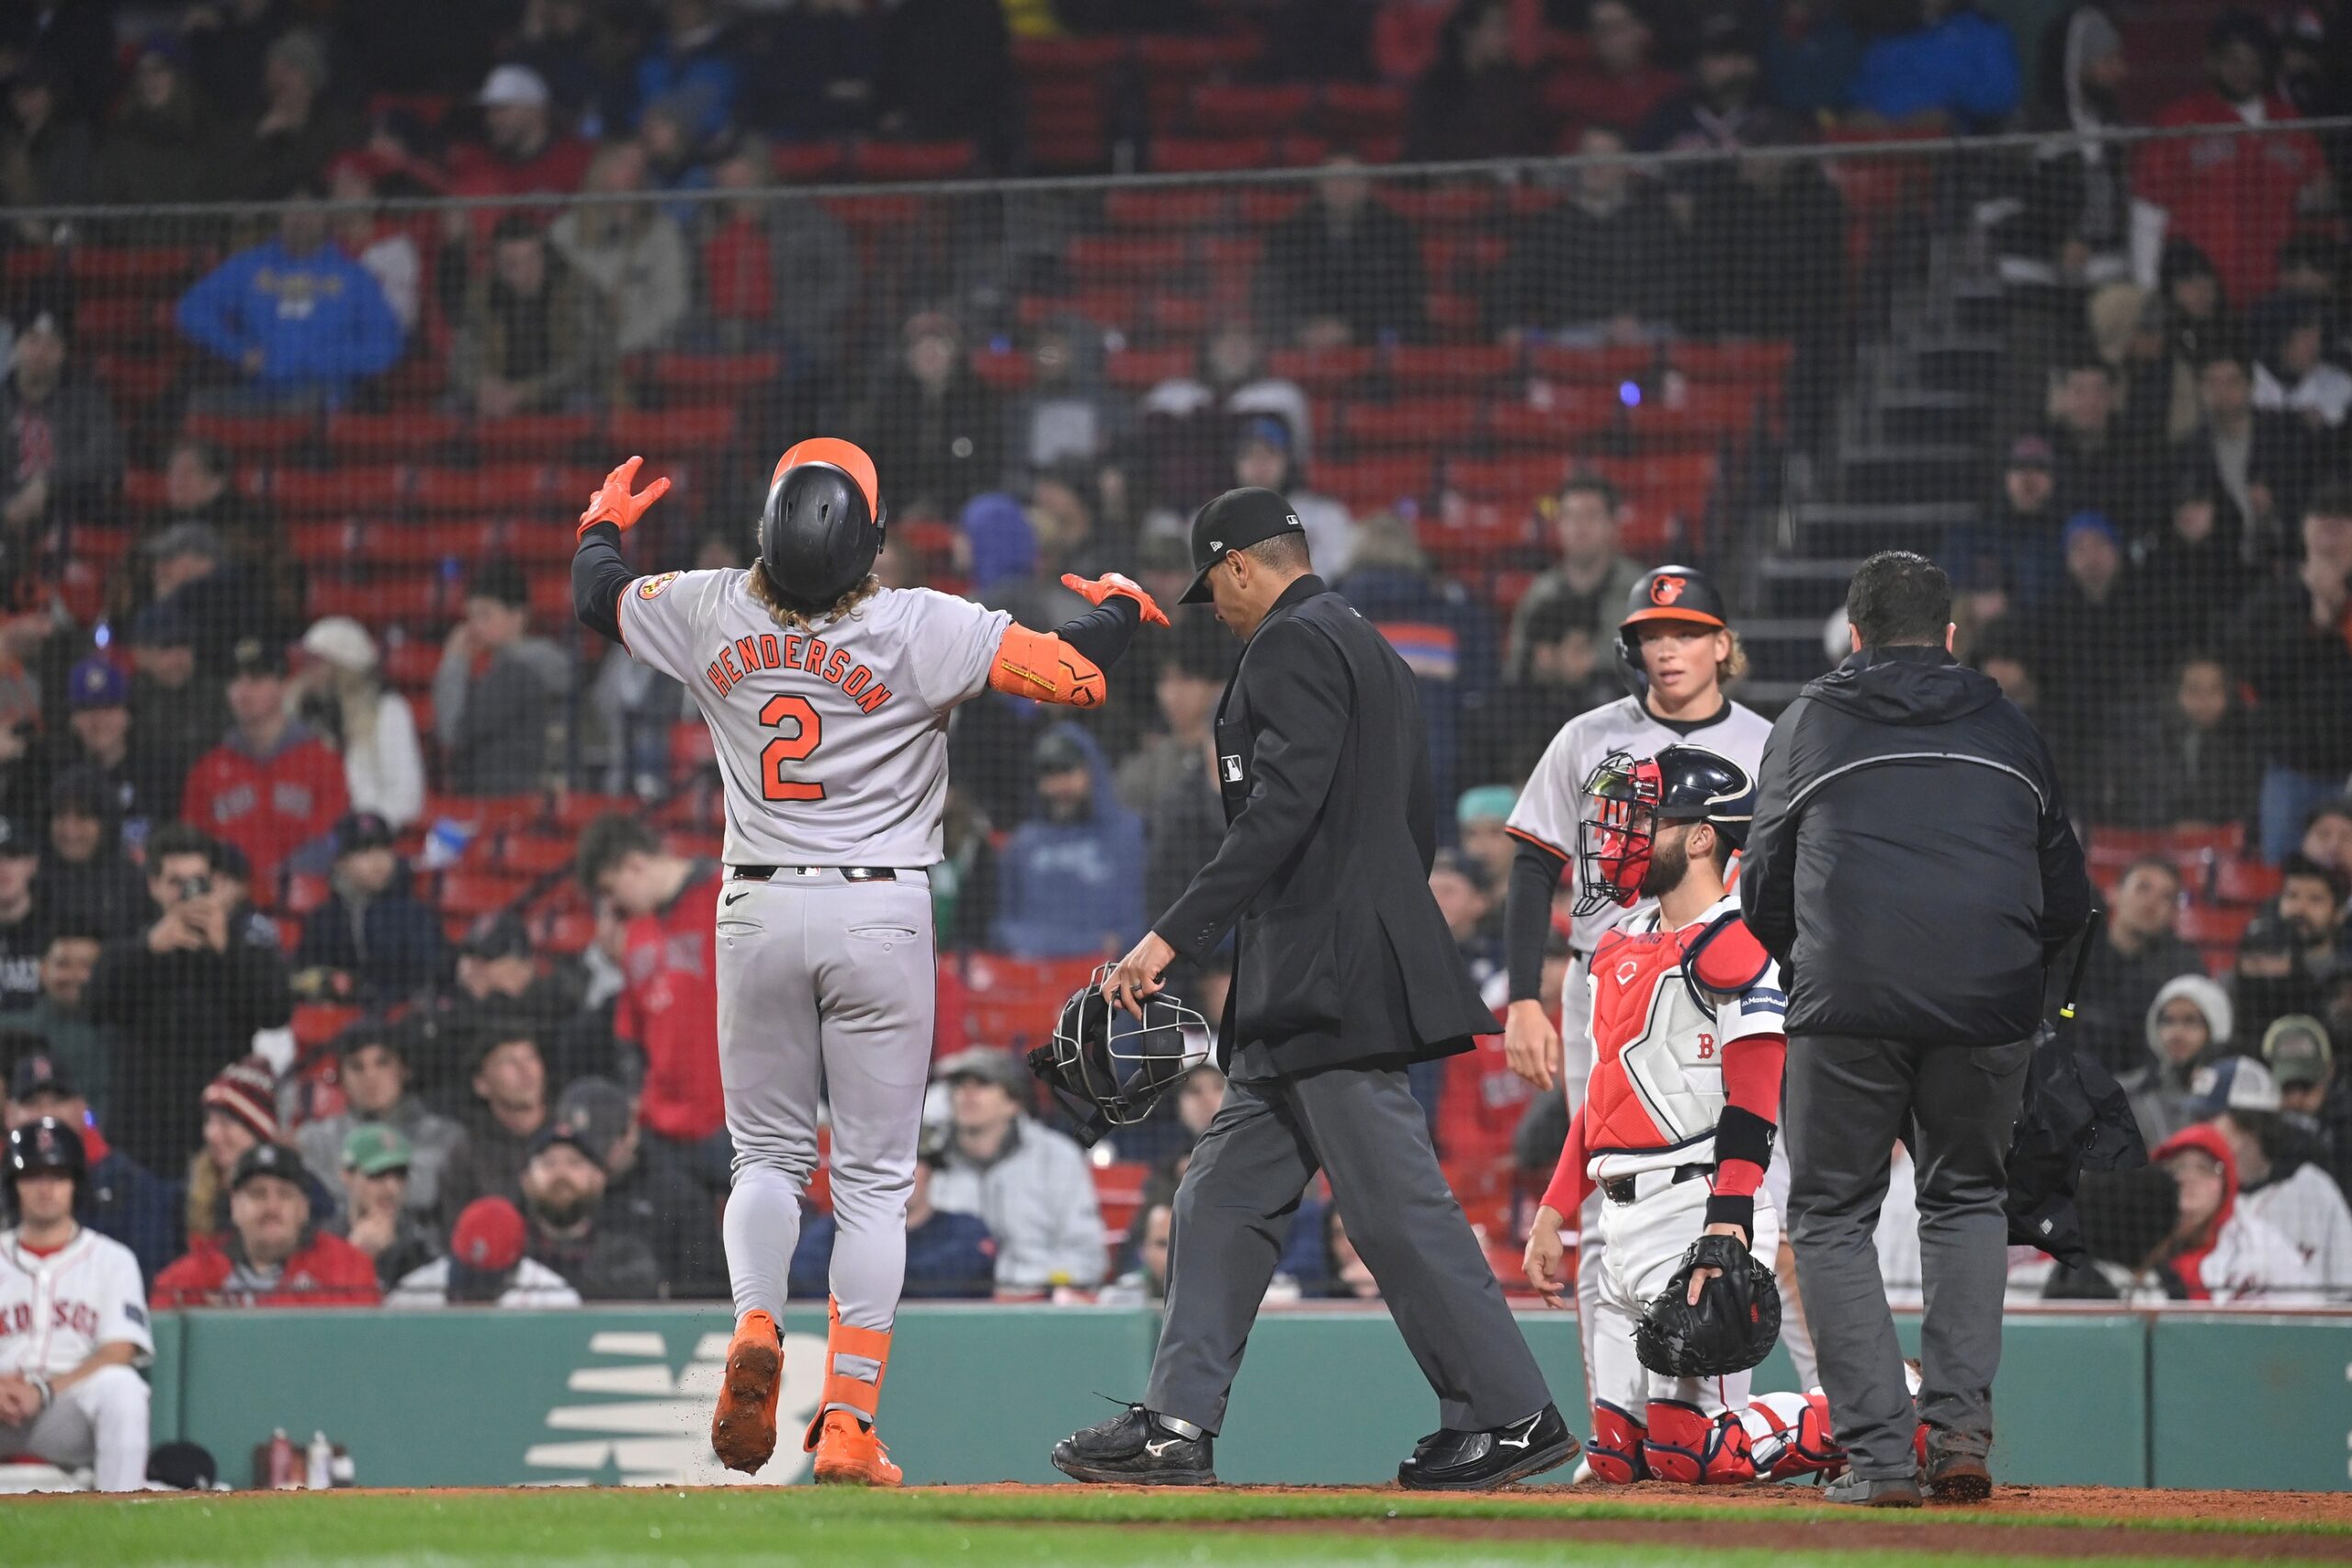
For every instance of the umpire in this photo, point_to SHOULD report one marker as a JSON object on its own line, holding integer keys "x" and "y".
{"x": 1912, "y": 868}
{"x": 1344, "y": 975}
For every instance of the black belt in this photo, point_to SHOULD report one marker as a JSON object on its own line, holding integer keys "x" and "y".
{"x": 849, "y": 873}
{"x": 1620, "y": 1189}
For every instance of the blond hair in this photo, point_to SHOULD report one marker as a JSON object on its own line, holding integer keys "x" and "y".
{"x": 763, "y": 589}
{"x": 1733, "y": 668}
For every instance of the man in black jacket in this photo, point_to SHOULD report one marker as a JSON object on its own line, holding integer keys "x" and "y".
{"x": 1912, "y": 869}
{"x": 1344, "y": 977}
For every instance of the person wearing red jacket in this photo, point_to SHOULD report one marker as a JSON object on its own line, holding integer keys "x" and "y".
{"x": 669, "y": 1008}
{"x": 1678, "y": 1121}
{"x": 2233, "y": 196}
{"x": 522, "y": 153}
{"x": 271, "y": 786}
{"x": 273, "y": 1256}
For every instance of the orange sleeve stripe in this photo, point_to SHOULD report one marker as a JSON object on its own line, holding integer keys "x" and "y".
{"x": 1040, "y": 665}
{"x": 1543, "y": 844}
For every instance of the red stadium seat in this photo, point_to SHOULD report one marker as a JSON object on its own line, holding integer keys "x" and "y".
{"x": 1450, "y": 369}
{"x": 1014, "y": 1002}
{"x": 913, "y": 160}
{"x": 1067, "y": 56}
{"x": 1508, "y": 478}
{"x": 576, "y": 808}
{"x": 2186, "y": 840}
{"x": 1608, "y": 366}
{"x": 135, "y": 382}
{"x": 542, "y": 435}
{"x": 149, "y": 269}
{"x": 1444, "y": 253}
{"x": 564, "y": 931}
{"x": 1138, "y": 369}
{"x": 1411, "y": 422}
{"x": 2245, "y": 882}
{"x": 1450, "y": 203}
{"x": 427, "y": 543}
{"x": 1694, "y": 414}
{"x": 1113, "y": 260}
{"x": 1323, "y": 369}
{"x": 660, "y": 432}
{"x": 1682, "y": 483}
{"x": 407, "y": 598}
{"x": 411, "y": 661}
{"x": 1236, "y": 108}
{"x": 143, "y": 488}
{"x": 485, "y": 813}
{"x": 1299, "y": 150}
{"x": 1008, "y": 371}
{"x": 1261, "y": 206}
{"x": 534, "y": 854}
{"x": 495, "y": 486}
{"x": 1375, "y": 484}
{"x": 466, "y": 894}
{"x": 317, "y": 1024}
{"x": 1566, "y": 417}
{"x": 807, "y": 163}
{"x": 1192, "y": 54}
{"x": 411, "y": 434}
{"x": 305, "y": 892}
{"x": 1469, "y": 535}
{"x": 2212, "y": 925}
{"x": 1118, "y": 1193}
{"x": 1190, "y": 208}
{"x": 1733, "y": 359}
{"x": 1211, "y": 154}
{"x": 1355, "y": 109}
{"x": 539, "y": 540}
{"x": 345, "y": 489}
{"x": 715, "y": 377}
{"x": 322, "y": 544}
{"x": 249, "y": 437}
{"x": 133, "y": 321}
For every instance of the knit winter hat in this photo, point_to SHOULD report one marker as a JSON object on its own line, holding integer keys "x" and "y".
{"x": 248, "y": 1091}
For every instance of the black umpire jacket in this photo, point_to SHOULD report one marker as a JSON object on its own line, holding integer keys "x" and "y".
{"x": 1911, "y": 865}
{"x": 1330, "y": 826}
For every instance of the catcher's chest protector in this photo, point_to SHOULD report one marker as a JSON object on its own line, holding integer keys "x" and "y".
{"x": 1657, "y": 1078}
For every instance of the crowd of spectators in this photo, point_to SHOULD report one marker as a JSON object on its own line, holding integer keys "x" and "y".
{"x": 217, "y": 807}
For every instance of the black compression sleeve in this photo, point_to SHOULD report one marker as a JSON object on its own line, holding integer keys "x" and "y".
{"x": 599, "y": 577}
{"x": 1102, "y": 634}
{"x": 1527, "y": 917}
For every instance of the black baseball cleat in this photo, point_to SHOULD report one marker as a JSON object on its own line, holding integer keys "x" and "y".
{"x": 1452, "y": 1461}
{"x": 1136, "y": 1447}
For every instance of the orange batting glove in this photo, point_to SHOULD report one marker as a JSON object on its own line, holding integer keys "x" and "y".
{"x": 1097, "y": 589}
{"x": 614, "y": 504}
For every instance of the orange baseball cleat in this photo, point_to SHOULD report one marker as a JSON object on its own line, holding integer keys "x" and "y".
{"x": 742, "y": 1429}
{"x": 850, "y": 1454}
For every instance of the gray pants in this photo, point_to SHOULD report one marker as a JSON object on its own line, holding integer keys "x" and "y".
{"x": 824, "y": 984}
{"x": 1234, "y": 1208}
{"x": 1847, "y": 1101}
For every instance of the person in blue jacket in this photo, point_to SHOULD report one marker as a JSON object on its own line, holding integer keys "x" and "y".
{"x": 1952, "y": 64}
{"x": 948, "y": 1254}
{"x": 372, "y": 927}
{"x": 300, "y": 321}
{"x": 1070, "y": 879}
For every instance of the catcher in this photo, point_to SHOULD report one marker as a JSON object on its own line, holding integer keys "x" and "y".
{"x": 1676, "y": 1129}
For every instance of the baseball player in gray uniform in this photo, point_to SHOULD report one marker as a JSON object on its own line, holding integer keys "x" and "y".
{"x": 1677, "y": 649}
{"x": 828, "y": 698}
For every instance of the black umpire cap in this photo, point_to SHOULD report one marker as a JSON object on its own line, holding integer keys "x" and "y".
{"x": 1234, "y": 521}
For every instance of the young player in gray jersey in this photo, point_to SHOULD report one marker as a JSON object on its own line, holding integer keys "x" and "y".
{"x": 1677, "y": 648}
{"x": 828, "y": 698}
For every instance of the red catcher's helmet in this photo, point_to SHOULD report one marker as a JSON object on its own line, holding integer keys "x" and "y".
{"x": 1631, "y": 796}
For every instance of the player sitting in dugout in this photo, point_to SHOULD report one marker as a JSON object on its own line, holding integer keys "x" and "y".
{"x": 1678, "y": 1121}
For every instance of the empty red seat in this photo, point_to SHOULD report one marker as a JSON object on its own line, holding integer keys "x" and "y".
{"x": 322, "y": 544}
{"x": 1733, "y": 359}
{"x": 411, "y": 434}
{"x": 134, "y": 380}
{"x": 131, "y": 319}
{"x": 659, "y": 432}
{"x": 316, "y": 1024}
{"x": 1515, "y": 478}
{"x": 143, "y": 488}
{"x": 1695, "y": 414}
{"x": 1322, "y": 369}
{"x": 1014, "y": 1002}
{"x": 2186, "y": 840}
{"x": 1360, "y": 108}
{"x": 716, "y": 376}
{"x": 1117, "y": 307}
{"x": 1454, "y": 202}
{"x": 1375, "y": 484}
{"x": 1138, "y": 369}
{"x": 411, "y": 661}
{"x": 251, "y": 435}
{"x": 1096, "y": 260}
{"x": 471, "y": 893}
{"x": 576, "y": 808}
{"x": 1300, "y": 149}
{"x": 534, "y": 854}
{"x": 1610, "y": 365}
{"x": 1565, "y": 418}
{"x": 2245, "y": 882}
{"x": 408, "y": 597}
{"x": 1212, "y": 155}
{"x": 1260, "y": 207}
{"x": 1067, "y": 56}
{"x": 493, "y": 487}
{"x": 566, "y": 931}
{"x": 1451, "y": 366}
{"x": 1411, "y": 422}
{"x": 806, "y": 162}
{"x": 427, "y": 543}
{"x": 1005, "y": 371}
{"x": 537, "y": 540}
{"x": 1469, "y": 535}
{"x": 355, "y": 487}
{"x": 1681, "y": 482}
{"x": 305, "y": 892}
{"x": 153, "y": 268}
{"x": 913, "y": 160}
{"x": 1195, "y": 55}
{"x": 2212, "y": 925}
{"x": 1191, "y": 206}
{"x": 533, "y": 434}
{"x": 1237, "y": 108}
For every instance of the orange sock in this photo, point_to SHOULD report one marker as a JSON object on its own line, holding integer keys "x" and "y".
{"x": 840, "y": 1339}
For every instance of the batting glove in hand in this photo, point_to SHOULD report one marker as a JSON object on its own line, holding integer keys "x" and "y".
{"x": 614, "y": 504}
{"x": 1111, "y": 583}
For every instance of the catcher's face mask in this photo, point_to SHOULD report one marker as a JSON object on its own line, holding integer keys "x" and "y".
{"x": 1613, "y": 843}
{"x": 1107, "y": 1068}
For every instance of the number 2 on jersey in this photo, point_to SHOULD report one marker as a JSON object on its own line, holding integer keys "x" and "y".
{"x": 792, "y": 748}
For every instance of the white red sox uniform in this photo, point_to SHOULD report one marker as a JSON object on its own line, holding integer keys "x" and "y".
{"x": 55, "y": 1311}
{"x": 1685, "y": 1023}
{"x": 1550, "y": 814}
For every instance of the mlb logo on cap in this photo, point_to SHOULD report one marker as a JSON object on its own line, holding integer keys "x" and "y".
{"x": 95, "y": 683}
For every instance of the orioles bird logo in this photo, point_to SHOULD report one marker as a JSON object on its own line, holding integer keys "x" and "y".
{"x": 1666, "y": 589}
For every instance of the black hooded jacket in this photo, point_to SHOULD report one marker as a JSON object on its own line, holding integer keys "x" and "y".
{"x": 1911, "y": 865}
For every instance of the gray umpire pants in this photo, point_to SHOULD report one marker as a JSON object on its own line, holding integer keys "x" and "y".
{"x": 1233, "y": 1211}
{"x": 1845, "y": 1102}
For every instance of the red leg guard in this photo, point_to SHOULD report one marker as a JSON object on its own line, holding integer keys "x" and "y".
{"x": 1615, "y": 1452}
{"x": 1685, "y": 1444}
{"x": 1804, "y": 1447}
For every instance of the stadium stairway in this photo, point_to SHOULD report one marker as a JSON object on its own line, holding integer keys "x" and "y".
{"x": 1905, "y": 463}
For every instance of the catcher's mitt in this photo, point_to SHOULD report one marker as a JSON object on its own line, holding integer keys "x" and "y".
{"x": 1730, "y": 1330}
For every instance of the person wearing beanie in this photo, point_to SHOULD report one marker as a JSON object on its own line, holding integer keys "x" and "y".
{"x": 486, "y": 1264}
{"x": 2278, "y": 1182}
{"x": 240, "y": 1113}
{"x": 2188, "y": 1028}
{"x": 497, "y": 688}
{"x": 344, "y": 689}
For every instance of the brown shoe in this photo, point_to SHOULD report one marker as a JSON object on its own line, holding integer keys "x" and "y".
{"x": 742, "y": 1429}
{"x": 848, "y": 1454}
{"x": 1959, "y": 1478}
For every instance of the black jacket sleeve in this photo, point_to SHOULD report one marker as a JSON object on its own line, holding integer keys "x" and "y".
{"x": 1298, "y": 698}
{"x": 1768, "y": 865}
{"x": 599, "y": 577}
{"x": 2065, "y": 882}
{"x": 1527, "y": 917}
{"x": 1102, "y": 634}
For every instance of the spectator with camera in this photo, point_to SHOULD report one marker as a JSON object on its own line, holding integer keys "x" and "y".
{"x": 948, "y": 1255}
{"x": 372, "y": 1068}
{"x": 187, "y": 998}
{"x": 273, "y": 1254}
{"x": 1028, "y": 1184}
{"x": 372, "y": 928}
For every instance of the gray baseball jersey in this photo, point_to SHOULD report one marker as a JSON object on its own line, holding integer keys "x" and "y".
{"x": 833, "y": 743}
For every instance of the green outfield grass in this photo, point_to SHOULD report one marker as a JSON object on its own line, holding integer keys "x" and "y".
{"x": 1022, "y": 1529}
